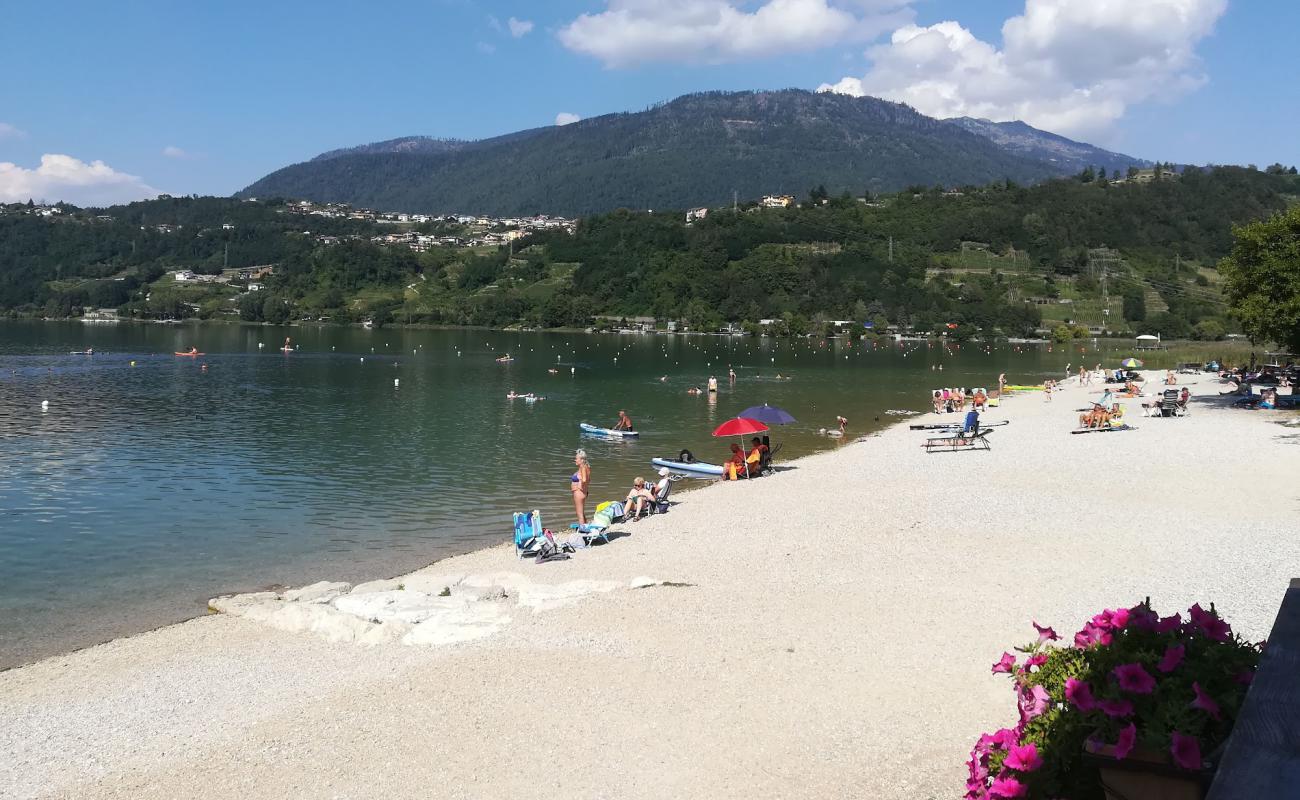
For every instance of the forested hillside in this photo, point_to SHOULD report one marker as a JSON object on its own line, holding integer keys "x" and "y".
{"x": 695, "y": 150}
{"x": 1079, "y": 252}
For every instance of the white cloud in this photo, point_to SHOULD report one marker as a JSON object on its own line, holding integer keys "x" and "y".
{"x": 172, "y": 151}
{"x": 72, "y": 180}
{"x": 8, "y": 131}
{"x": 519, "y": 28}
{"x": 631, "y": 32}
{"x": 565, "y": 118}
{"x": 486, "y": 48}
{"x": 1069, "y": 66}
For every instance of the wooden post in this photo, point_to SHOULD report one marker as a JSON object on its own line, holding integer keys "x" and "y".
{"x": 1262, "y": 756}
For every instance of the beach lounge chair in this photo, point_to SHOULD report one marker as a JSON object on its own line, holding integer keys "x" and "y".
{"x": 528, "y": 533}
{"x": 1169, "y": 406}
{"x": 959, "y": 441}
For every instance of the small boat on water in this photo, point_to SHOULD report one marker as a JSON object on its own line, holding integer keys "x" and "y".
{"x": 505, "y": 359}
{"x": 81, "y": 352}
{"x": 190, "y": 355}
{"x": 518, "y": 396}
{"x": 691, "y": 468}
{"x": 595, "y": 430}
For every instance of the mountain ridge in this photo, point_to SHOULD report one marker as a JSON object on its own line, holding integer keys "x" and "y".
{"x": 694, "y": 150}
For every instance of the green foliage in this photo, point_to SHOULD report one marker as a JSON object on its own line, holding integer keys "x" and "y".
{"x": 1262, "y": 278}
{"x": 1209, "y": 330}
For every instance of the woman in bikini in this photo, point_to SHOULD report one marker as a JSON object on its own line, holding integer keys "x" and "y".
{"x": 578, "y": 484}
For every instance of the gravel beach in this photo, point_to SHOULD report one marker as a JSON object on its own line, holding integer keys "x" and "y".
{"x": 824, "y": 632}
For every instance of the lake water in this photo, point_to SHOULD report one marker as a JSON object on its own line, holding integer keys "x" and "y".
{"x": 145, "y": 489}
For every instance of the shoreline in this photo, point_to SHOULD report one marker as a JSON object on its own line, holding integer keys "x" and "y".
{"x": 693, "y": 486}
{"x": 829, "y": 627}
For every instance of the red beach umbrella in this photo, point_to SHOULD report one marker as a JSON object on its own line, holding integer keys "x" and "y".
{"x": 740, "y": 426}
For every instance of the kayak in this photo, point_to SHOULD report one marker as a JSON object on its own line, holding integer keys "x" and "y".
{"x": 596, "y": 431}
{"x": 691, "y": 468}
{"x": 945, "y": 426}
{"x": 191, "y": 355}
{"x": 81, "y": 352}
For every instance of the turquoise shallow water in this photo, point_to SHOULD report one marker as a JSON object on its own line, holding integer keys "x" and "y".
{"x": 143, "y": 490}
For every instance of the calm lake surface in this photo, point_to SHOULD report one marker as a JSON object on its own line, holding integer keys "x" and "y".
{"x": 144, "y": 490}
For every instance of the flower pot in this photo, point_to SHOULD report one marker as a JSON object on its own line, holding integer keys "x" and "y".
{"x": 1145, "y": 775}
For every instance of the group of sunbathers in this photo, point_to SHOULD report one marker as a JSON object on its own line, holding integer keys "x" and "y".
{"x": 949, "y": 400}
{"x": 746, "y": 465}
{"x": 1101, "y": 415}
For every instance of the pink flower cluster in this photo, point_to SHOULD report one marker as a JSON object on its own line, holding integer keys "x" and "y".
{"x": 1002, "y": 764}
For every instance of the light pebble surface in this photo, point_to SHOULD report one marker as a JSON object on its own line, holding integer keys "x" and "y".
{"x": 835, "y": 639}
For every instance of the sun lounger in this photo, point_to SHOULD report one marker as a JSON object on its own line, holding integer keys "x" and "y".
{"x": 958, "y": 441}
{"x": 590, "y": 532}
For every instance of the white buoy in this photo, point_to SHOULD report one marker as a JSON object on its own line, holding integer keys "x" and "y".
{"x": 260, "y": 345}
{"x": 397, "y": 382}
{"x": 573, "y": 370}
{"x": 45, "y": 405}
{"x": 363, "y": 359}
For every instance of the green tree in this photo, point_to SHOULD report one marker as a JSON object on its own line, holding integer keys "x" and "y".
{"x": 1209, "y": 330}
{"x": 1135, "y": 305}
{"x": 1062, "y": 334}
{"x": 1262, "y": 278}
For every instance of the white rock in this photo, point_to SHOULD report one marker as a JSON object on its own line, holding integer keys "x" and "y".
{"x": 386, "y": 585}
{"x": 233, "y": 604}
{"x": 471, "y": 621}
{"x": 403, "y": 606}
{"x": 322, "y": 620}
{"x": 321, "y": 592}
{"x": 430, "y": 583}
{"x": 385, "y": 633}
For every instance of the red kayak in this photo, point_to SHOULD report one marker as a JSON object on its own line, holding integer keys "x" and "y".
{"x": 191, "y": 355}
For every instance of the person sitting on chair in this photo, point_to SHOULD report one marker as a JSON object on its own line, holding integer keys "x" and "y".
{"x": 637, "y": 498}
{"x": 1183, "y": 397}
{"x": 734, "y": 467}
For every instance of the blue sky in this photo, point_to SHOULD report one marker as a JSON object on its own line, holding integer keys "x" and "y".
{"x": 207, "y": 97}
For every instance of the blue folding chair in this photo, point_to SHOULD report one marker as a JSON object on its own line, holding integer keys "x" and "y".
{"x": 528, "y": 533}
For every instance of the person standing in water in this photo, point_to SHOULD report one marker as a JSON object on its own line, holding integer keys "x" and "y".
{"x": 1002, "y": 384}
{"x": 579, "y": 483}
{"x": 731, "y": 375}
{"x": 713, "y": 384}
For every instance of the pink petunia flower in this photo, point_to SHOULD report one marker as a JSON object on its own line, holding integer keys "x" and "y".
{"x": 1133, "y": 678}
{"x": 1045, "y": 634}
{"x": 1186, "y": 751}
{"x": 1143, "y": 618}
{"x": 1080, "y": 694}
{"x": 1172, "y": 658}
{"x": 1033, "y": 703}
{"x": 1127, "y": 739}
{"x": 1204, "y": 702}
{"x": 1004, "y": 664}
{"x": 1208, "y": 623}
{"x": 1023, "y": 758}
{"x": 1169, "y": 624}
{"x": 1116, "y": 708}
{"x": 1007, "y": 787}
{"x": 1036, "y": 660}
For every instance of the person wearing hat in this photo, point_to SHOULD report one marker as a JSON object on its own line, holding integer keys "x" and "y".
{"x": 661, "y": 488}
